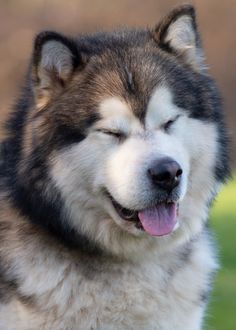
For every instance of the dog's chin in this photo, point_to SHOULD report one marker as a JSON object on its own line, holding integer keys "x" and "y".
{"x": 158, "y": 219}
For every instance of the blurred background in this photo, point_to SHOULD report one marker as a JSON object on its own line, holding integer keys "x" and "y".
{"x": 20, "y": 20}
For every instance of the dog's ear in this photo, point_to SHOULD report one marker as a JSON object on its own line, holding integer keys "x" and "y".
{"x": 55, "y": 59}
{"x": 177, "y": 33}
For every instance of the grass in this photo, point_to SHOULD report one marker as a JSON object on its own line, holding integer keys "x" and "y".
{"x": 222, "y": 308}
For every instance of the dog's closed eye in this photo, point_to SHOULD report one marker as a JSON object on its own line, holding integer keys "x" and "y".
{"x": 114, "y": 133}
{"x": 166, "y": 126}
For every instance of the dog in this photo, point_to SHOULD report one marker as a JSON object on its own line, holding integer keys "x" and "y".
{"x": 111, "y": 159}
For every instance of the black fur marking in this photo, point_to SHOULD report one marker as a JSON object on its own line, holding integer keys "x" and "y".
{"x": 66, "y": 135}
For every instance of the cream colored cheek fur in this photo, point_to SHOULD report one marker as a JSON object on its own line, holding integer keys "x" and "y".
{"x": 78, "y": 171}
{"x": 200, "y": 143}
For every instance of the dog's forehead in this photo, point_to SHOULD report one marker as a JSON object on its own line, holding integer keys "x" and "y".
{"x": 160, "y": 107}
{"x": 118, "y": 113}
{"x": 115, "y": 107}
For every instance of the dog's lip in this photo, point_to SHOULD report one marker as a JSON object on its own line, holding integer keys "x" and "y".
{"x": 132, "y": 215}
{"x": 124, "y": 213}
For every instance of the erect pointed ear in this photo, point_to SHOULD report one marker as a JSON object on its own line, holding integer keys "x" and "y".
{"x": 55, "y": 58}
{"x": 177, "y": 33}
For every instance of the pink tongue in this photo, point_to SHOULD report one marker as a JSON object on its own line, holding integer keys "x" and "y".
{"x": 159, "y": 220}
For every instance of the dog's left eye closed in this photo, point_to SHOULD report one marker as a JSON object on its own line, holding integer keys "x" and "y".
{"x": 166, "y": 126}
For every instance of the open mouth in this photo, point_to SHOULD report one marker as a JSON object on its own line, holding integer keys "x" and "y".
{"x": 158, "y": 220}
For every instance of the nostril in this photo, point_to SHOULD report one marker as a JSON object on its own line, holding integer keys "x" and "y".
{"x": 179, "y": 172}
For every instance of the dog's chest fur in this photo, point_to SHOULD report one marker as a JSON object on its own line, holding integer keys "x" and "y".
{"x": 125, "y": 295}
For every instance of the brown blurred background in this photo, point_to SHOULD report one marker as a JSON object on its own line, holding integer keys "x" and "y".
{"x": 20, "y": 20}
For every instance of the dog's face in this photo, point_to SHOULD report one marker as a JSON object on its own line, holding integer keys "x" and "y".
{"x": 135, "y": 171}
{"x": 126, "y": 123}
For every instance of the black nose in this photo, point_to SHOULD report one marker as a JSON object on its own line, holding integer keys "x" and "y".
{"x": 165, "y": 173}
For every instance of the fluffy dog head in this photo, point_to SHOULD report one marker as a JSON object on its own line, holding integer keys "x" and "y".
{"x": 121, "y": 142}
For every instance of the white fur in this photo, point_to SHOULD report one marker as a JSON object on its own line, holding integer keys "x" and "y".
{"x": 136, "y": 295}
{"x": 150, "y": 287}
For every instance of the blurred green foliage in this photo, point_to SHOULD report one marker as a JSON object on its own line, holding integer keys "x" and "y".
{"x": 222, "y": 310}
